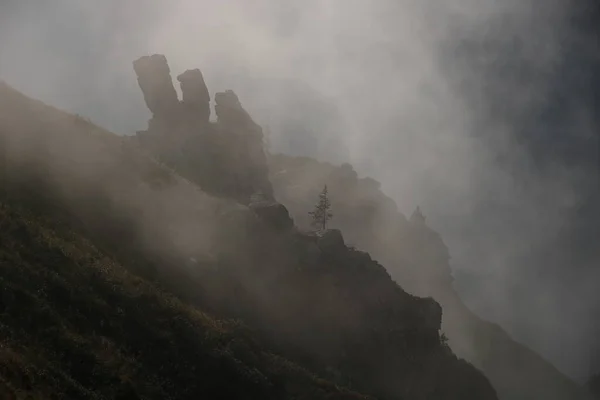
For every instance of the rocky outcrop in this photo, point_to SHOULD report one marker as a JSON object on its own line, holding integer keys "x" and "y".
{"x": 417, "y": 258}
{"x": 154, "y": 78}
{"x": 331, "y": 241}
{"x": 226, "y": 158}
{"x": 196, "y": 99}
{"x": 244, "y": 142}
{"x": 273, "y": 213}
{"x": 342, "y": 312}
{"x": 431, "y": 311}
{"x": 232, "y": 116}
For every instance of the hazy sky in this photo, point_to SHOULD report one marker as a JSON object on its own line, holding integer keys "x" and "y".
{"x": 449, "y": 104}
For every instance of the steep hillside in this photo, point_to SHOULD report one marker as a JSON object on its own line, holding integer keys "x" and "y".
{"x": 416, "y": 256}
{"x": 76, "y": 324}
{"x": 127, "y": 252}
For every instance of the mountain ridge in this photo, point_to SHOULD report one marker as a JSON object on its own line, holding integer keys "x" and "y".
{"x": 371, "y": 220}
{"x": 165, "y": 230}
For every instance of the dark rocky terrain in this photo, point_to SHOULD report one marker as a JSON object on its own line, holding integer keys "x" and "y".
{"x": 166, "y": 266}
{"x": 417, "y": 258}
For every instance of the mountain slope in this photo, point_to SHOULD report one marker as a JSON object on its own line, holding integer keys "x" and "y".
{"x": 417, "y": 257}
{"x": 76, "y": 324}
{"x": 312, "y": 300}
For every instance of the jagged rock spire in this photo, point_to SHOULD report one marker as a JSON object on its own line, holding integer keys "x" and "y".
{"x": 246, "y": 146}
{"x": 229, "y": 110}
{"x": 196, "y": 98}
{"x": 154, "y": 78}
{"x": 182, "y": 133}
{"x": 233, "y": 117}
{"x": 227, "y": 100}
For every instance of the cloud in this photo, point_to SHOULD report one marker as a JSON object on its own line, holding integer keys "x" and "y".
{"x": 431, "y": 98}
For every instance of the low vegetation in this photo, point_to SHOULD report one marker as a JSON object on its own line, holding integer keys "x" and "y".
{"x": 76, "y": 324}
{"x": 124, "y": 280}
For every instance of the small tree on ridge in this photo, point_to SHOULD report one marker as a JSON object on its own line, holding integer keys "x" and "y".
{"x": 322, "y": 211}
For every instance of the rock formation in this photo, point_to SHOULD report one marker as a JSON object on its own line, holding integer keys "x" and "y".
{"x": 274, "y": 214}
{"x": 154, "y": 78}
{"x": 196, "y": 99}
{"x": 419, "y": 260}
{"x": 331, "y": 241}
{"x": 245, "y": 148}
{"x": 230, "y": 113}
{"x": 340, "y": 316}
{"x": 226, "y": 158}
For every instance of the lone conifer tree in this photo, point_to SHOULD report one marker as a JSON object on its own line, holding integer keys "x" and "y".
{"x": 417, "y": 217}
{"x": 322, "y": 212}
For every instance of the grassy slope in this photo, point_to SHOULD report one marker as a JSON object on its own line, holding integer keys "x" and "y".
{"x": 77, "y": 323}
{"x": 355, "y": 328}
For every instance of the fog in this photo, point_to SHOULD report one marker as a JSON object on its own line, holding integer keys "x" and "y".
{"x": 448, "y": 104}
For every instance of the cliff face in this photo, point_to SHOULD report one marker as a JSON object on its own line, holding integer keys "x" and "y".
{"x": 417, "y": 258}
{"x": 174, "y": 249}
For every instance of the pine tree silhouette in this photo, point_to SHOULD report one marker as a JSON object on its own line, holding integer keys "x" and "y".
{"x": 322, "y": 211}
{"x": 417, "y": 216}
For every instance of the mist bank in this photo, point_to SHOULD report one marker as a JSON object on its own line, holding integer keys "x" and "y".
{"x": 300, "y": 313}
{"x": 477, "y": 111}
